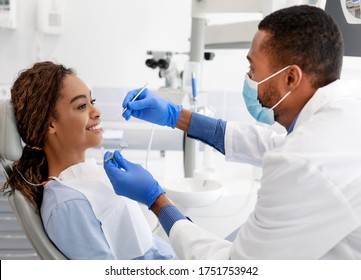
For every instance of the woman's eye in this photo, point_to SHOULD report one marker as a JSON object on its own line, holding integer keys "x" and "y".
{"x": 82, "y": 106}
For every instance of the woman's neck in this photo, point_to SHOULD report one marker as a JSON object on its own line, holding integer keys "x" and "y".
{"x": 61, "y": 160}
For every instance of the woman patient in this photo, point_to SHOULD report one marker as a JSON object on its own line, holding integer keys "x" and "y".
{"x": 82, "y": 215}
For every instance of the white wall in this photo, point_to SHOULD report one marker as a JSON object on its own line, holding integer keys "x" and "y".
{"x": 107, "y": 44}
{"x": 105, "y": 41}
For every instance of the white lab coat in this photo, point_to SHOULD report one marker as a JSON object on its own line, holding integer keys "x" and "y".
{"x": 309, "y": 203}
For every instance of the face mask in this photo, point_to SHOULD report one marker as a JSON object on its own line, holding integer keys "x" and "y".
{"x": 254, "y": 107}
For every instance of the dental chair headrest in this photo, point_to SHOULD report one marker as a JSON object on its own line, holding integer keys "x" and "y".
{"x": 11, "y": 146}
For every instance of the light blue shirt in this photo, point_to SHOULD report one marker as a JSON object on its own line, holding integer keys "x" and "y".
{"x": 71, "y": 224}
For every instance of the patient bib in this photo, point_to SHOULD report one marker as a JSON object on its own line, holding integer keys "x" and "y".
{"x": 123, "y": 223}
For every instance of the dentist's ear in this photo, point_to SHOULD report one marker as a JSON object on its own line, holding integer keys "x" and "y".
{"x": 294, "y": 76}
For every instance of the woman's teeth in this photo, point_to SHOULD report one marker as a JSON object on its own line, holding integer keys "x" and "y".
{"x": 95, "y": 127}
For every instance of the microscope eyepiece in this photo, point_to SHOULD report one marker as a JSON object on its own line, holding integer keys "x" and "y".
{"x": 151, "y": 63}
{"x": 163, "y": 63}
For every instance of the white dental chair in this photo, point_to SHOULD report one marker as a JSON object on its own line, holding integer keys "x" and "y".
{"x": 26, "y": 214}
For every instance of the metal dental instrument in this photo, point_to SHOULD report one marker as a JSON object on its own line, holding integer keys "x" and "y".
{"x": 135, "y": 97}
{"x": 122, "y": 145}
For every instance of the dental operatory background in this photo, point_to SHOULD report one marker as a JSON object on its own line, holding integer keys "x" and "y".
{"x": 188, "y": 51}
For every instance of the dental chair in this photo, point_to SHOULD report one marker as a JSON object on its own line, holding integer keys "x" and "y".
{"x": 26, "y": 214}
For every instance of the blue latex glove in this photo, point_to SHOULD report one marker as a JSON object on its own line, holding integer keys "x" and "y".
{"x": 131, "y": 180}
{"x": 150, "y": 107}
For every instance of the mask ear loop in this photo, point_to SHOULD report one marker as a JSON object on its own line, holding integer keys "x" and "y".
{"x": 274, "y": 74}
{"x": 283, "y": 98}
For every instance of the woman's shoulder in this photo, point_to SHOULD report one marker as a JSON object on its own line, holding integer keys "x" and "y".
{"x": 61, "y": 193}
{"x": 61, "y": 198}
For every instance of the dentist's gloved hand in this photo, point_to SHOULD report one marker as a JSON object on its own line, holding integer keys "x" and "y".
{"x": 152, "y": 108}
{"x": 132, "y": 180}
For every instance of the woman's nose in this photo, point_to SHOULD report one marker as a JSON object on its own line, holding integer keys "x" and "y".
{"x": 95, "y": 113}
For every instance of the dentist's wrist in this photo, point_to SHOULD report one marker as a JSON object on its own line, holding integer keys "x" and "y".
{"x": 184, "y": 120}
{"x": 167, "y": 213}
{"x": 159, "y": 203}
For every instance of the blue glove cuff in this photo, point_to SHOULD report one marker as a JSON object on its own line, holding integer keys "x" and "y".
{"x": 174, "y": 114}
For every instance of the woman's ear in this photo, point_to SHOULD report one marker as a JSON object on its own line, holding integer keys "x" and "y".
{"x": 52, "y": 127}
{"x": 294, "y": 76}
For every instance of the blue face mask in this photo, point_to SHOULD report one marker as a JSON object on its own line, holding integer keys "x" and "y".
{"x": 254, "y": 107}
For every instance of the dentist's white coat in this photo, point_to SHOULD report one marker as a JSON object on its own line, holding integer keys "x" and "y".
{"x": 309, "y": 203}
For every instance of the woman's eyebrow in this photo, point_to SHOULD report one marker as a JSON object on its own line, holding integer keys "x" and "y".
{"x": 80, "y": 96}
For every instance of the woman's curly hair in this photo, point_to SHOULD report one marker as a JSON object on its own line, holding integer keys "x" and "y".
{"x": 34, "y": 96}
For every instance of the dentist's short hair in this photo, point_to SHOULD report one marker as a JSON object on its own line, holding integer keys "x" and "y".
{"x": 308, "y": 37}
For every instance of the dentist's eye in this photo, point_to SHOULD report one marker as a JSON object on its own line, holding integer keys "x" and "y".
{"x": 93, "y": 101}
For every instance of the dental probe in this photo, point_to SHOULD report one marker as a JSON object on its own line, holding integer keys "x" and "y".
{"x": 122, "y": 145}
{"x": 124, "y": 109}
{"x": 135, "y": 97}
